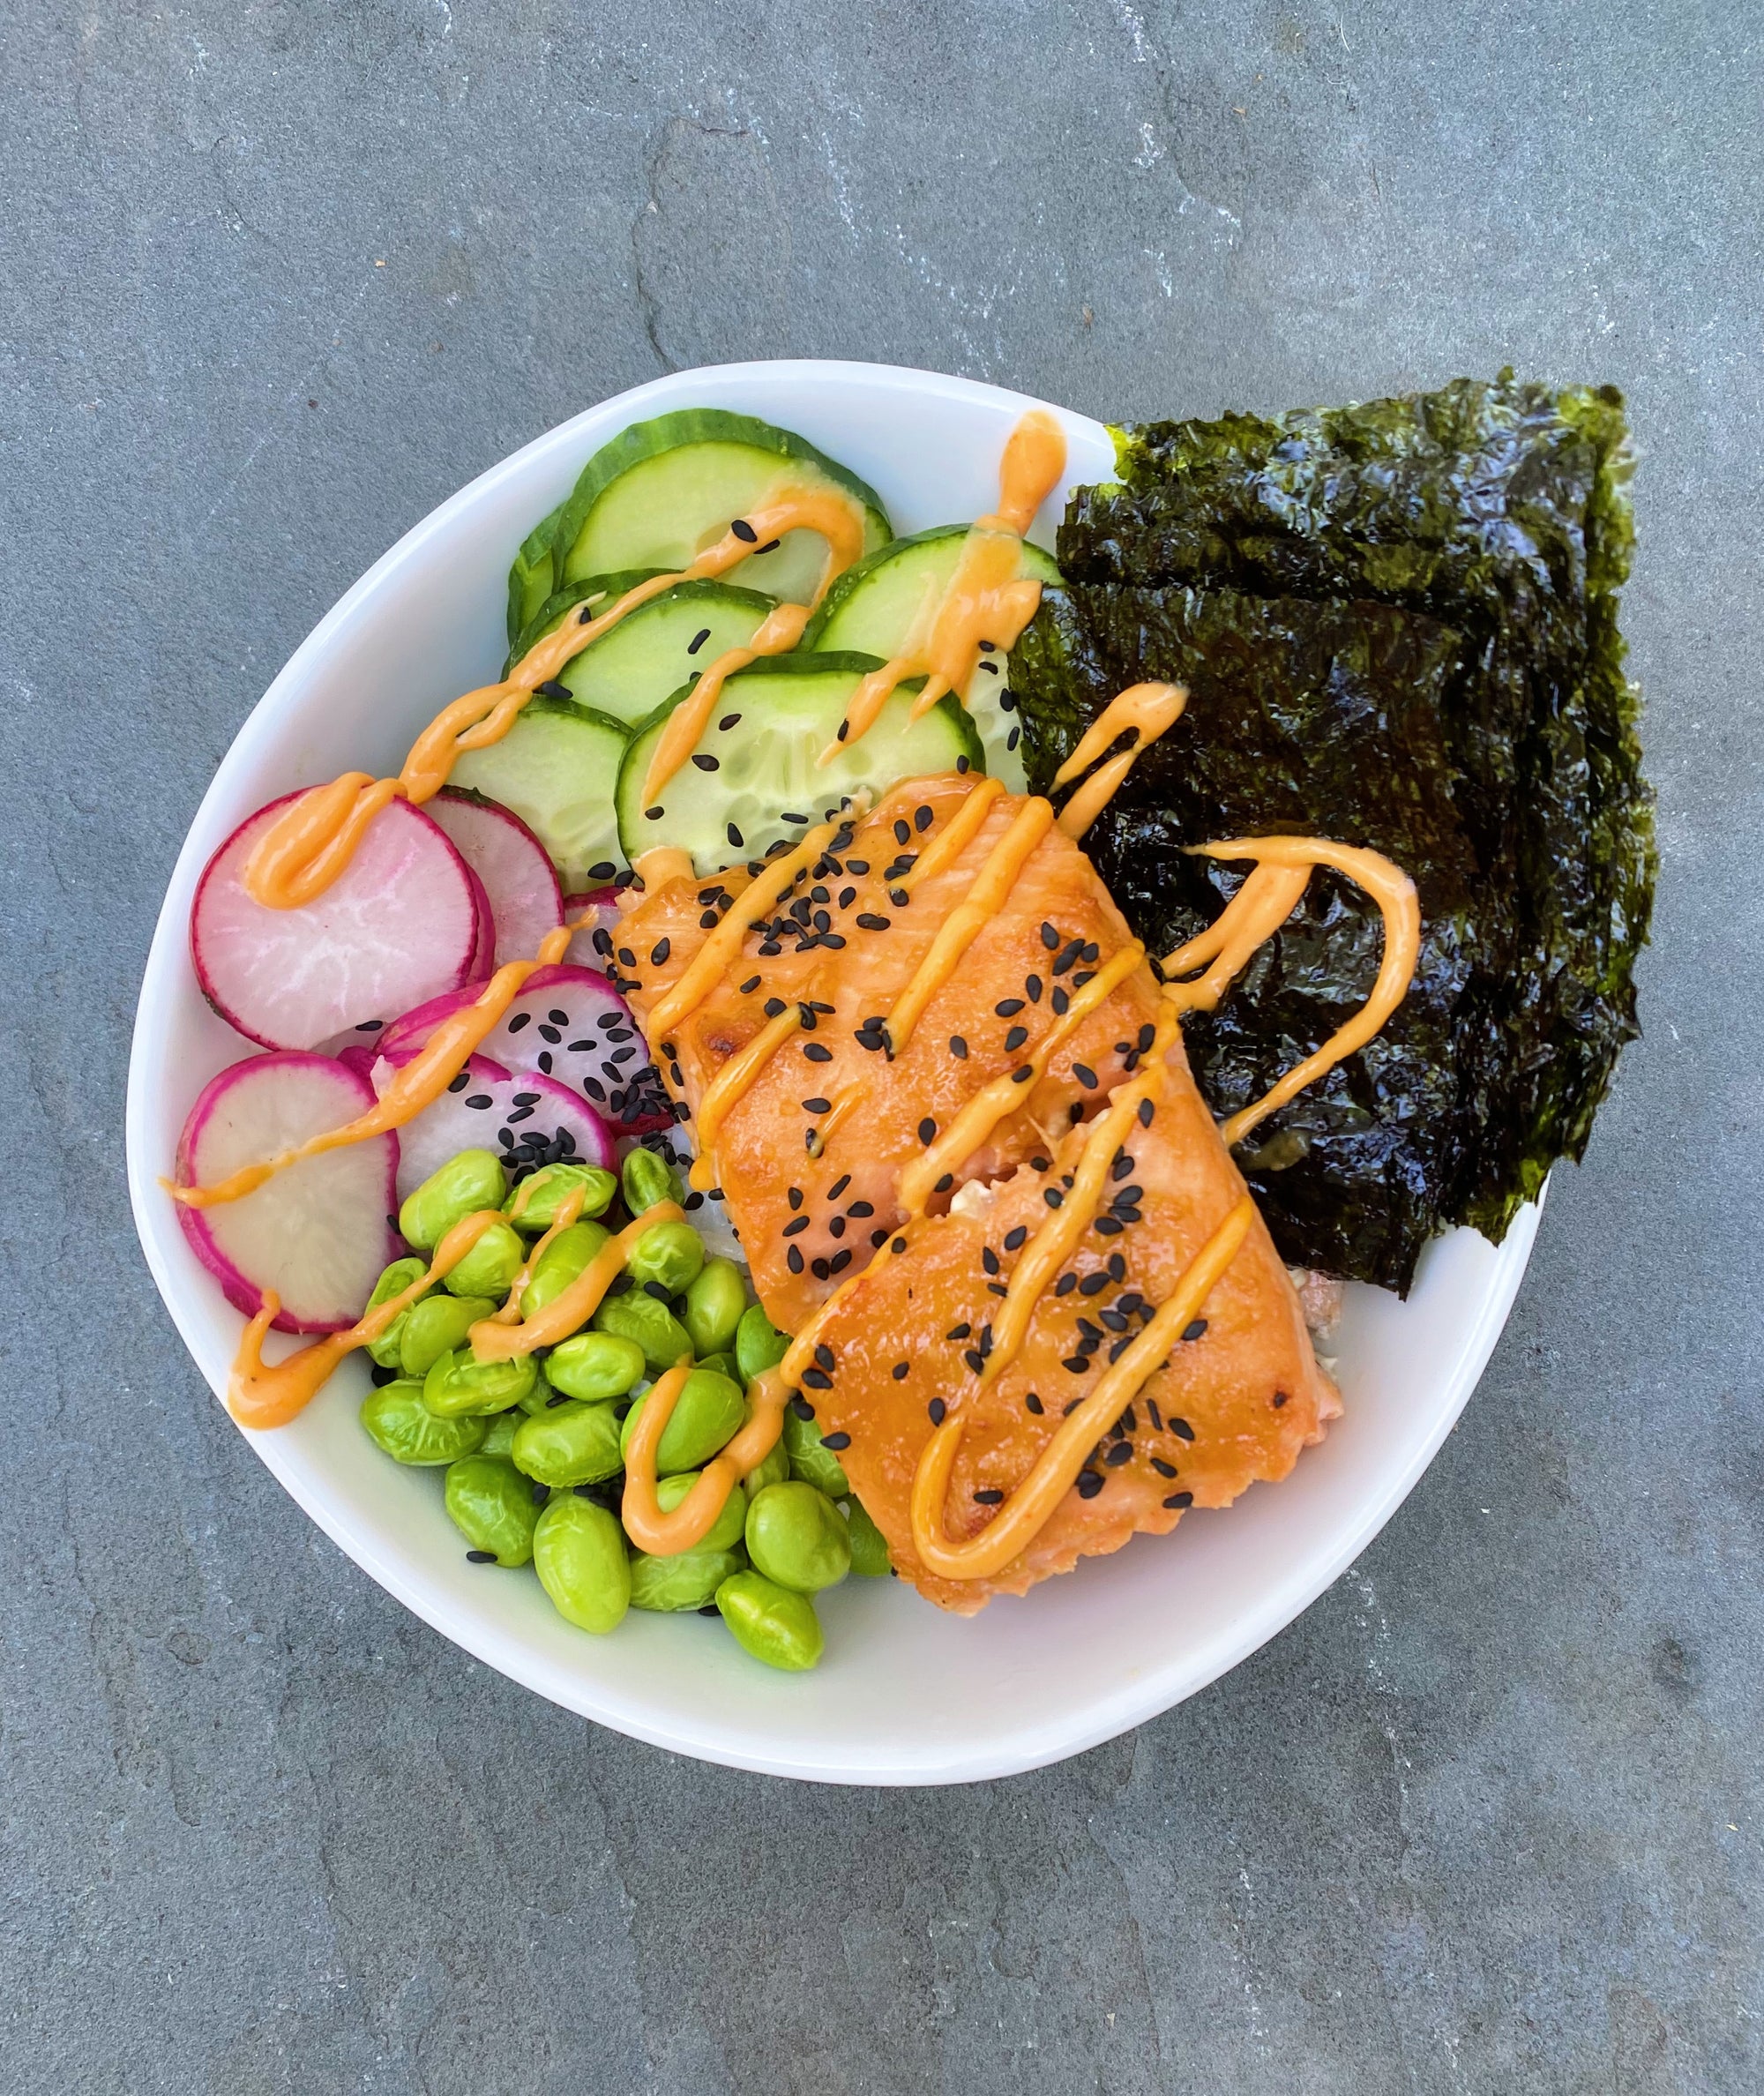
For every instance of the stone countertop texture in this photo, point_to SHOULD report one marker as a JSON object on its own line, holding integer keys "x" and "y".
{"x": 274, "y": 278}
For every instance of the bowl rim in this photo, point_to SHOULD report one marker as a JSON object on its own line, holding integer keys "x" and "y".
{"x": 1148, "y": 1693}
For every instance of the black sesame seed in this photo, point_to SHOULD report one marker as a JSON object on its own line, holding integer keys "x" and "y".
{"x": 522, "y": 1019}
{"x": 480, "y": 1557}
{"x": 975, "y": 1360}
{"x": 795, "y": 1227}
{"x": 901, "y": 1370}
{"x": 922, "y": 820}
{"x": 836, "y": 1441}
{"x": 958, "y": 1047}
{"x": 1146, "y": 1109}
{"x": 1085, "y": 1075}
{"x": 861, "y": 1207}
{"x": 1194, "y": 1330}
{"x": 793, "y": 1259}
{"x": 989, "y": 1496}
{"x": 1023, "y": 1074}
{"x": 1013, "y": 1237}
{"x": 800, "y": 1405}
{"x": 698, "y": 640}
{"x": 927, "y": 1129}
{"x": 1089, "y": 1484}
{"x": 1014, "y": 1039}
{"x": 1163, "y": 1468}
{"x": 816, "y": 1380}
{"x": 1182, "y": 1430}
{"x": 744, "y": 531}
{"x": 818, "y": 1052}
{"x": 899, "y": 1244}
{"x": 1076, "y": 1364}
{"x": 1122, "y": 1452}
{"x": 1180, "y": 1498}
{"x": 937, "y": 1408}
{"x": 1065, "y": 1285}
{"x": 1109, "y": 1225}
{"x": 839, "y": 1263}
{"x": 705, "y": 761}
{"x": 1060, "y": 1001}
{"x": 868, "y": 921}
{"x": 988, "y": 1259}
{"x": 1052, "y": 1196}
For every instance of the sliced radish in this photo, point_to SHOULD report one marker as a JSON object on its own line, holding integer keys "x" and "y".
{"x": 484, "y": 943}
{"x": 569, "y": 1023}
{"x": 400, "y": 924}
{"x": 529, "y": 1120}
{"x": 319, "y": 1232}
{"x": 524, "y": 899}
{"x": 596, "y": 913}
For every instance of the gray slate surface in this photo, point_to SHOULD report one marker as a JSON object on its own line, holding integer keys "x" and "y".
{"x": 277, "y": 278}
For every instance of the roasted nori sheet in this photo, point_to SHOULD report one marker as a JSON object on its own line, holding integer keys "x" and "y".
{"x": 1397, "y": 624}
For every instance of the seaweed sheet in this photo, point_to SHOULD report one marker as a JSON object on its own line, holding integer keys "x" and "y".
{"x": 1398, "y": 626}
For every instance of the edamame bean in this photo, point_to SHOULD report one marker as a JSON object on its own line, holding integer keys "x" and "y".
{"x": 868, "y": 1547}
{"x": 759, "y": 1344}
{"x": 562, "y": 1261}
{"x": 671, "y": 1253}
{"x": 773, "y": 1470}
{"x": 674, "y": 1585}
{"x": 580, "y": 1554}
{"x": 490, "y": 1268}
{"x": 492, "y": 1505}
{"x": 398, "y": 1276}
{"x": 809, "y": 1461}
{"x": 438, "y": 1325}
{"x": 647, "y": 1178}
{"x": 652, "y": 1325}
{"x": 797, "y": 1538}
{"x": 569, "y": 1444}
{"x": 725, "y": 1364}
{"x": 464, "y": 1184}
{"x": 404, "y": 1426}
{"x": 457, "y": 1386}
{"x": 498, "y": 1431}
{"x": 708, "y": 1412}
{"x": 595, "y": 1365}
{"x": 770, "y": 1623}
{"x": 725, "y": 1532}
{"x": 541, "y": 1197}
{"x": 540, "y": 1395}
{"x": 715, "y": 1304}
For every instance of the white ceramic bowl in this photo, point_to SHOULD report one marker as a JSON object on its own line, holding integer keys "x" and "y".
{"x": 905, "y": 1695}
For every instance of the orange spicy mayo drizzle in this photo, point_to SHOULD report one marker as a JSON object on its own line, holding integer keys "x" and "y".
{"x": 491, "y": 1339}
{"x": 987, "y": 601}
{"x": 667, "y": 1535}
{"x": 418, "y": 1084}
{"x": 1023, "y": 1516}
{"x": 309, "y": 846}
{"x": 778, "y": 634}
{"x": 261, "y": 1395}
{"x": 1257, "y": 912}
{"x": 1144, "y": 709}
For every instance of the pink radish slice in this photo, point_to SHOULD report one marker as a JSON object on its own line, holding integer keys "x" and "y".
{"x": 527, "y": 1120}
{"x": 319, "y": 1232}
{"x": 569, "y": 1023}
{"x": 524, "y": 899}
{"x": 483, "y": 947}
{"x": 400, "y": 925}
{"x": 597, "y": 913}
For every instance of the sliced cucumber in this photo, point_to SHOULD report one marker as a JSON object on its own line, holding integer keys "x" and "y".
{"x": 556, "y": 768}
{"x": 599, "y": 590}
{"x": 533, "y": 575}
{"x": 874, "y": 607}
{"x": 663, "y": 491}
{"x": 628, "y": 672}
{"x": 770, "y": 724}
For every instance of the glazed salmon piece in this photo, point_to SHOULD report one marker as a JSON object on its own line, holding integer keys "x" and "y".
{"x": 852, "y": 946}
{"x": 1234, "y": 1407}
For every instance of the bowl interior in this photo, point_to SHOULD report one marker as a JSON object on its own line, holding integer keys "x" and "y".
{"x": 905, "y": 1695}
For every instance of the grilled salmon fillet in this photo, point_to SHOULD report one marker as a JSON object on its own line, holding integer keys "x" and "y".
{"x": 815, "y": 1194}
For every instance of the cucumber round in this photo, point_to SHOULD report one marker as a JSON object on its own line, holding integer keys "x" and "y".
{"x": 629, "y": 671}
{"x": 780, "y": 715}
{"x": 663, "y": 491}
{"x": 601, "y": 590}
{"x": 533, "y": 575}
{"x": 556, "y": 768}
{"x": 873, "y": 608}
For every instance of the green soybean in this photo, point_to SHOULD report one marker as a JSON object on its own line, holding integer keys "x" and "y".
{"x": 464, "y": 1184}
{"x": 436, "y": 1326}
{"x": 595, "y": 1365}
{"x": 492, "y": 1505}
{"x": 458, "y": 1386}
{"x": 580, "y": 1554}
{"x": 770, "y": 1623}
{"x": 709, "y": 1410}
{"x": 541, "y": 1393}
{"x": 724, "y": 1363}
{"x": 670, "y": 1254}
{"x": 650, "y": 1325}
{"x": 397, "y": 1420}
{"x": 498, "y": 1431}
{"x": 797, "y": 1538}
{"x": 868, "y": 1547}
{"x": 543, "y": 1195}
{"x": 671, "y": 1585}
{"x": 647, "y": 1178}
{"x": 490, "y": 1268}
{"x": 715, "y": 1303}
{"x": 773, "y": 1470}
{"x": 759, "y": 1344}
{"x": 560, "y": 1263}
{"x": 398, "y": 1276}
{"x": 569, "y": 1444}
{"x": 725, "y": 1532}
{"x": 811, "y": 1462}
